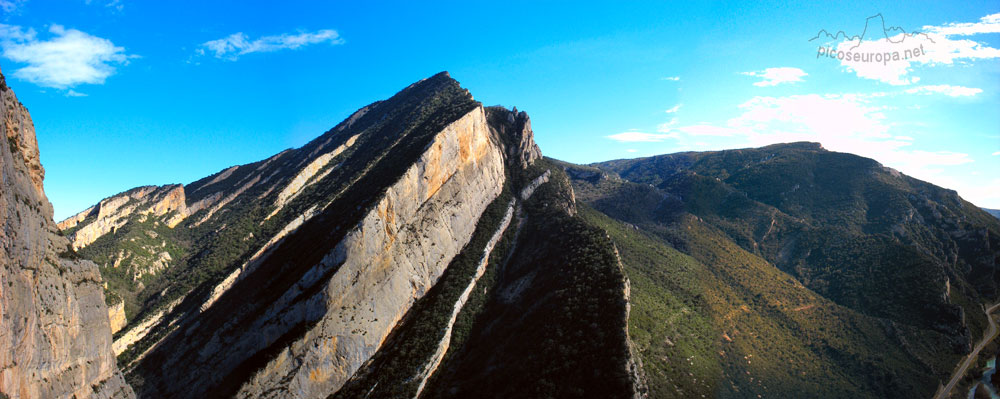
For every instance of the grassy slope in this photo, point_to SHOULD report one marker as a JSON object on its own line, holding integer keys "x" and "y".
{"x": 827, "y": 218}
{"x": 723, "y": 322}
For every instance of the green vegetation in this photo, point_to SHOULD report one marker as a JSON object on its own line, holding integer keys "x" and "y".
{"x": 722, "y": 322}
{"x": 415, "y": 339}
{"x": 553, "y": 325}
{"x": 827, "y": 268}
{"x": 393, "y": 134}
{"x": 13, "y": 144}
{"x": 132, "y": 256}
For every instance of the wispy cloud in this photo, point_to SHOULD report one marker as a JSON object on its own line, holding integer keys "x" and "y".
{"x": 776, "y": 76}
{"x": 237, "y": 44}
{"x": 10, "y": 6}
{"x": 639, "y": 137}
{"x": 995, "y": 153}
{"x": 948, "y": 90}
{"x": 116, "y": 5}
{"x": 74, "y": 93}
{"x": 672, "y": 78}
{"x": 674, "y": 109}
{"x": 665, "y": 127}
{"x": 703, "y": 130}
{"x": 68, "y": 59}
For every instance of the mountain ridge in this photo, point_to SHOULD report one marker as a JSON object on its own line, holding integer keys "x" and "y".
{"x": 418, "y": 170}
{"x": 424, "y": 247}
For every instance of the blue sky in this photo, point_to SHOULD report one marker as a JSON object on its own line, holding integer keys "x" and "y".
{"x": 126, "y": 93}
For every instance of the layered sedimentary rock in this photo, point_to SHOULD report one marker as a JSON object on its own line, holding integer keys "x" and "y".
{"x": 112, "y": 213}
{"x": 287, "y": 276}
{"x": 414, "y": 174}
{"x": 387, "y": 262}
{"x": 55, "y": 338}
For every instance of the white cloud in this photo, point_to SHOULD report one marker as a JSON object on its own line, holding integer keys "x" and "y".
{"x": 672, "y": 78}
{"x": 995, "y": 153}
{"x": 68, "y": 59}
{"x": 639, "y": 137}
{"x": 74, "y": 93}
{"x": 237, "y": 44}
{"x": 665, "y": 127}
{"x": 10, "y": 6}
{"x": 631, "y": 150}
{"x": 776, "y": 76}
{"x": 851, "y": 123}
{"x": 987, "y": 24}
{"x": 674, "y": 109}
{"x": 702, "y": 130}
{"x": 979, "y": 193}
{"x": 811, "y": 114}
{"x": 953, "y": 91}
{"x": 15, "y": 33}
{"x": 936, "y": 46}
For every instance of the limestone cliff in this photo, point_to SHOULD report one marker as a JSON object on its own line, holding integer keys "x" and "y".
{"x": 288, "y": 276}
{"x": 55, "y": 339}
{"x": 116, "y": 314}
{"x": 407, "y": 240}
{"x": 112, "y": 213}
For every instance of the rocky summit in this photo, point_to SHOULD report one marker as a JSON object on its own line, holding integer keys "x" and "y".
{"x": 424, "y": 248}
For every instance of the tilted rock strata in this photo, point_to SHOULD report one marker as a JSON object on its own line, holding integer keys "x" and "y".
{"x": 55, "y": 339}
{"x": 112, "y": 213}
{"x": 399, "y": 251}
{"x": 305, "y": 176}
{"x": 322, "y": 326}
{"x": 445, "y": 341}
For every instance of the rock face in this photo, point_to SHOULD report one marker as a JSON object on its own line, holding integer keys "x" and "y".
{"x": 112, "y": 213}
{"x": 286, "y": 277}
{"x": 517, "y": 125}
{"x": 116, "y": 314}
{"x": 408, "y": 238}
{"x": 55, "y": 339}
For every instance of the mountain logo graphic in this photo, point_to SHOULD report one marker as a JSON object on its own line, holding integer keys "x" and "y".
{"x": 886, "y": 32}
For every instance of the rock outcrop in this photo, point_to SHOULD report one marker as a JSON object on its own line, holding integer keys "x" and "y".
{"x": 112, "y": 213}
{"x": 409, "y": 238}
{"x": 116, "y": 314}
{"x": 55, "y": 338}
{"x": 286, "y": 277}
{"x": 517, "y": 126}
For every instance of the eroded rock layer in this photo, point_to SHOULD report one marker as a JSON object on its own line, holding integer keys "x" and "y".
{"x": 55, "y": 339}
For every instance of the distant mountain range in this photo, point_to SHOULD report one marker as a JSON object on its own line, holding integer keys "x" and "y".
{"x": 994, "y": 212}
{"x": 424, "y": 248}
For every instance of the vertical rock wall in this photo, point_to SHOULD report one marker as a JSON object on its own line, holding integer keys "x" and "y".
{"x": 55, "y": 338}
